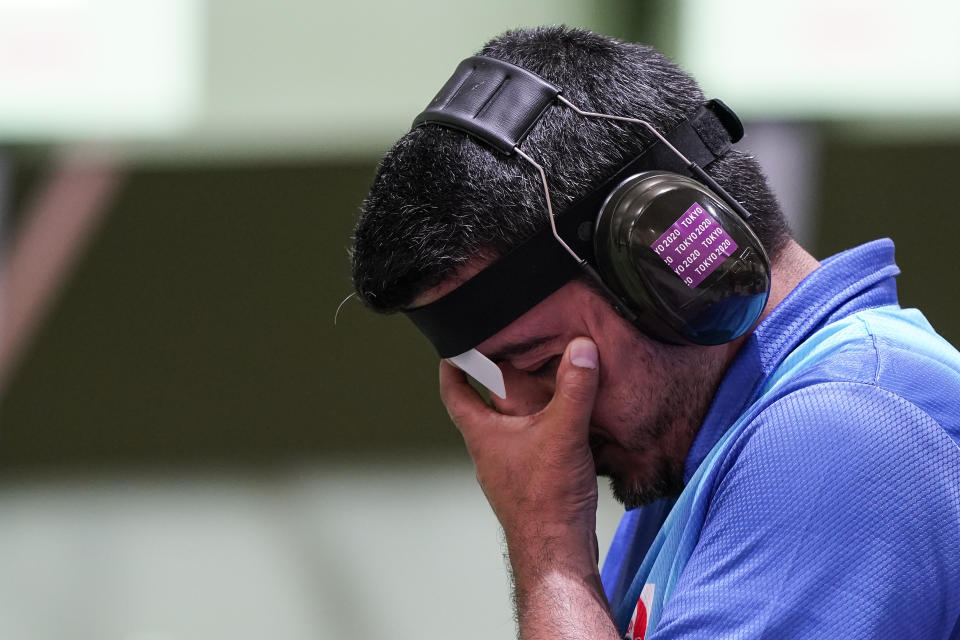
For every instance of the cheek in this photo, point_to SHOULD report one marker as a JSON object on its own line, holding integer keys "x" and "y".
{"x": 626, "y": 397}
{"x": 613, "y": 410}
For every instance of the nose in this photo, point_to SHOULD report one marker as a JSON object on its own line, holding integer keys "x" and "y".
{"x": 526, "y": 393}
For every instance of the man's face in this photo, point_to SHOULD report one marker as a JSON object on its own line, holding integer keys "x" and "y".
{"x": 651, "y": 400}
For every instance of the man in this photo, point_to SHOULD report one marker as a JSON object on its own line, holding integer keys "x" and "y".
{"x": 801, "y": 480}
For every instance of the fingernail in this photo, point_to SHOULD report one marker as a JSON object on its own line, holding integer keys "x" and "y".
{"x": 583, "y": 354}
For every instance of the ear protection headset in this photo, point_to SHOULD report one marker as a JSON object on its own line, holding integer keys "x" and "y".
{"x": 670, "y": 247}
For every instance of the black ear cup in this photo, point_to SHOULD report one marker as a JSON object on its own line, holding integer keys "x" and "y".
{"x": 681, "y": 259}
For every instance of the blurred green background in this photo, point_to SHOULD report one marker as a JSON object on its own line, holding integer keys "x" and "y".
{"x": 189, "y": 364}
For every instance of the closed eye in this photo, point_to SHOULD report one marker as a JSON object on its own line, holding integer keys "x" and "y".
{"x": 548, "y": 367}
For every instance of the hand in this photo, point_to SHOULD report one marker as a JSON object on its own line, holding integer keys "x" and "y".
{"x": 536, "y": 470}
{"x": 538, "y": 475}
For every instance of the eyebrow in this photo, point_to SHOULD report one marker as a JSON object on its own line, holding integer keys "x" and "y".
{"x": 517, "y": 348}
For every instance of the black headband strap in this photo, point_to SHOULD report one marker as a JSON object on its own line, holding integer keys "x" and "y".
{"x": 516, "y": 282}
{"x": 491, "y": 99}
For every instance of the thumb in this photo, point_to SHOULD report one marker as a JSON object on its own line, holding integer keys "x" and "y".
{"x": 577, "y": 379}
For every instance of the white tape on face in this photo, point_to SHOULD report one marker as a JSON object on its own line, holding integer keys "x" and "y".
{"x": 482, "y": 369}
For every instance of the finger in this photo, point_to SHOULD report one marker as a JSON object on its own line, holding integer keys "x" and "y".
{"x": 465, "y": 406}
{"x": 577, "y": 380}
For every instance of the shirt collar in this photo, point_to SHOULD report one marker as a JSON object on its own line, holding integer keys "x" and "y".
{"x": 856, "y": 279}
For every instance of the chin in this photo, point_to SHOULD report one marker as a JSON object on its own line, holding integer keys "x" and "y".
{"x": 635, "y": 490}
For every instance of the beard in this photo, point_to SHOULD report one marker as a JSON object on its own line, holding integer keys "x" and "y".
{"x": 663, "y": 440}
{"x": 662, "y": 475}
{"x": 666, "y": 482}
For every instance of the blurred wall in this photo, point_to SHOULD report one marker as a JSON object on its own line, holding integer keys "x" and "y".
{"x": 199, "y": 324}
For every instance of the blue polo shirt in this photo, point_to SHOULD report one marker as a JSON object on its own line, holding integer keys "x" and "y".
{"x": 835, "y": 512}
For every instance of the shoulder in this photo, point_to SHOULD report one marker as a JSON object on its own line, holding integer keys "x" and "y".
{"x": 886, "y": 362}
{"x": 916, "y": 363}
{"x": 844, "y": 441}
{"x": 835, "y": 509}
{"x": 837, "y": 506}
